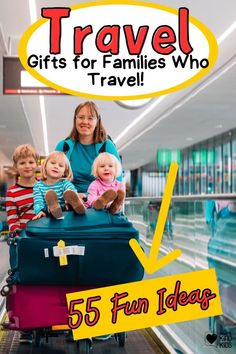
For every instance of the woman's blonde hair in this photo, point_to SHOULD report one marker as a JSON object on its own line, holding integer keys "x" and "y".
{"x": 56, "y": 155}
{"x": 99, "y": 134}
{"x": 103, "y": 158}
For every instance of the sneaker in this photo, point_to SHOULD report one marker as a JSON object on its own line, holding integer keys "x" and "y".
{"x": 103, "y": 337}
{"x": 26, "y": 337}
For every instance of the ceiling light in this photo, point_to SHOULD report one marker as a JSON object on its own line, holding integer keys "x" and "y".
{"x": 132, "y": 104}
{"x": 3, "y": 46}
{"x": 44, "y": 123}
{"x": 139, "y": 118}
{"x": 189, "y": 138}
{"x": 219, "y": 126}
{"x": 227, "y": 33}
{"x": 33, "y": 11}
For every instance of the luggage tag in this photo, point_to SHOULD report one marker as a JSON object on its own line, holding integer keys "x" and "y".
{"x": 63, "y": 251}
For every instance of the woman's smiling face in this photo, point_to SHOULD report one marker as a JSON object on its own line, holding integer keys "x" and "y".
{"x": 85, "y": 122}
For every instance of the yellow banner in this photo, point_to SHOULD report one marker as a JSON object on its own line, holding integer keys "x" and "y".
{"x": 153, "y": 302}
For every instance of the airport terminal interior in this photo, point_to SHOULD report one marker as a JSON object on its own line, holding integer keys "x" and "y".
{"x": 194, "y": 127}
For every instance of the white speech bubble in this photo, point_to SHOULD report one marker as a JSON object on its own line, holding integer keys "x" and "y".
{"x": 130, "y": 61}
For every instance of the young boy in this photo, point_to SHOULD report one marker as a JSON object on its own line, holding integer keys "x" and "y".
{"x": 19, "y": 198}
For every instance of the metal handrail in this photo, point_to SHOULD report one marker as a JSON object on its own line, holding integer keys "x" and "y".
{"x": 186, "y": 198}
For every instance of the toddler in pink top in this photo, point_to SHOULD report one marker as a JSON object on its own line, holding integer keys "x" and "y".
{"x": 106, "y": 191}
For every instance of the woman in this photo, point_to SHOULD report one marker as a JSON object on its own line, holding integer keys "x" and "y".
{"x": 87, "y": 139}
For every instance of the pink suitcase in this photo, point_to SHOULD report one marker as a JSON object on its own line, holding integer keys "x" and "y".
{"x": 35, "y": 306}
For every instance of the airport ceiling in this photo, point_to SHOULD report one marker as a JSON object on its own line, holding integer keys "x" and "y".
{"x": 180, "y": 119}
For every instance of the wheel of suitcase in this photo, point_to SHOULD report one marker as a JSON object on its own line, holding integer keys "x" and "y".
{"x": 84, "y": 346}
{"x": 10, "y": 280}
{"x": 11, "y": 239}
{"x": 5, "y": 290}
{"x": 121, "y": 338}
{"x": 37, "y": 337}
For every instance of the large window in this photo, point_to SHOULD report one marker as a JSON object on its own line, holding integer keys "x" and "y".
{"x": 226, "y": 168}
{"x": 210, "y": 169}
{"x": 234, "y": 165}
{"x": 204, "y": 155}
{"x": 207, "y": 167}
{"x": 186, "y": 175}
{"x": 191, "y": 174}
{"x": 218, "y": 169}
{"x": 180, "y": 179}
{"x": 197, "y": 170}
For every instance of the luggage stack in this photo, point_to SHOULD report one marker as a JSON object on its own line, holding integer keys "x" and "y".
{"x": 54, "y": 257}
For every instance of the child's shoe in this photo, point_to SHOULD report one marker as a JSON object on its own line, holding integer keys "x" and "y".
{"x": 73, "y": 199}
{"x": 104, "y": 199}
{"x": 118, "y": 202}
{"x": 53, "y": 204}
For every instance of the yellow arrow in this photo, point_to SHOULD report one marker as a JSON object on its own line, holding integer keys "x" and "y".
{"x": 151, "y": 264}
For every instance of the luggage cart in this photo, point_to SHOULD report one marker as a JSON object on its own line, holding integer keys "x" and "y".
{"x": 83, "y": 346}
{"x": 42, "y": 330}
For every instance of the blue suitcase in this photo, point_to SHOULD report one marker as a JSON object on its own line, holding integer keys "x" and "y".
{"x": 96, "y": 249}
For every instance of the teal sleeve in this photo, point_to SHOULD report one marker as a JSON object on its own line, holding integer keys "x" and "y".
{"x": 110, "y": 147}
{"x": 59, "y": 146}
{"x": 39, "y": 202}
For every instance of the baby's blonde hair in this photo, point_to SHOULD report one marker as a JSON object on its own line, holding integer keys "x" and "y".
{"x": 57, "y": 154}
{"x": 102, "y": 158}
{"x": 23, "y": 151}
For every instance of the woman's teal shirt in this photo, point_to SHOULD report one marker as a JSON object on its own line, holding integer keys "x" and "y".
{"x": 81, "y": 158}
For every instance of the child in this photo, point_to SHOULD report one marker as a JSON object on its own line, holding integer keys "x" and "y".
{"x": 19, "y": 198}
{"x": 55, "y": 188}
{"x": 106, "y": 191}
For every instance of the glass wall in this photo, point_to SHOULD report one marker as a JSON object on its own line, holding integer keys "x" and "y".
{"x": 226, "y": 168}
{"x": 210, "y": 169}
{"x": 207, "y": 240}
{"x": 207, "y": 167}
{"x": 218, "y": 169}
{"x": 234, "y": 165}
